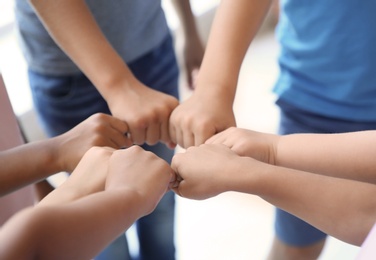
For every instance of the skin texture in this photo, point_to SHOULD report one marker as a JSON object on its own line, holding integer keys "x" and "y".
{"x": 290, "y": 176}
{"x": 127, "y": 185}
{"x": 209, "y": 110}
{"x": 43, "y": 158}
{"x": 145, "y": 110}
{"x": 234, "y": 27}
{"x": 326, "y": 154}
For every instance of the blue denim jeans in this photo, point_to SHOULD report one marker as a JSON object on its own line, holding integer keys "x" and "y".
{"x": 290, "y": 229}
{"x": 62, "y": 102}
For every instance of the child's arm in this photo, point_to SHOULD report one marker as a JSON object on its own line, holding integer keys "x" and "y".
{"x": 342, "y": 208}
{"x": 35, "y": 161}
{"x": 77, "y": 230}
{"x": 210, "y": 108}
{"x": 73, "y": 27}
{"x": 125, "y": 185}
{"x": 347, "y": 155}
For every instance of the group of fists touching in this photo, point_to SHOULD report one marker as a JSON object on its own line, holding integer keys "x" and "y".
{"x": 199, "y": 172}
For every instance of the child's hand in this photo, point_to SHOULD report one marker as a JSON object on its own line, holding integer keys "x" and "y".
{"x": 142, "y": 172}
{"x": 205, "y": 171}
{"x": 198, "y": 119}
{"x": 145, "y": 110}
{"x": 97, "y": 130}
{"x": 260, "y": 146}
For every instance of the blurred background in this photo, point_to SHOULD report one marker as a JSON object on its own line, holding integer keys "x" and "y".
{"x": 231, "y": 225}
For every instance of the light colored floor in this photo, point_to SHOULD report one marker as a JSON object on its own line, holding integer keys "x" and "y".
{"x": 229, "y": 226}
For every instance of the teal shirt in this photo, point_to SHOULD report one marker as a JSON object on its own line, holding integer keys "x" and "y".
{"x": 133, "y": 27}
{"x": 328, "y": 57}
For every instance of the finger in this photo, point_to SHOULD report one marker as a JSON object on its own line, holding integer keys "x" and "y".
{"x": 168, "y": 135}
{"x": 173, "y": 180}
{"x": 178, "y": 178}
{"x": 137, "y": 135}
{"x": 175, "y": 162}
{"x": 121, "y": 139}
{"x": 179, "y": 138}
{"x": 188, "y": 139}
{"x": 180, "y": 188}
{"x": 152, "y": 134}
{"x": 118, "y": 124}
{"x": 201, "y": 138}
{"x": 174, "y": 185}
{"x": 215, "y": 139}
{"x": 167, "y": 132}
{"x": 171, "y": 145}
{"x": 176, "y": 190}
{"x": 120, "y": 133}
{"x": 176, "y": 167}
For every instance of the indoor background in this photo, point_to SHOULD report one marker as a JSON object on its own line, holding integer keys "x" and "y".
{"x": 229, "y": 226}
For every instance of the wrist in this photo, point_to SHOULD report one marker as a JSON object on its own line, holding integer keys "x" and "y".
{"x": 273, "y": 150}
{"x": 132, "y": 198}
{"x": 54, "y": 160}
{"x": 275, "y": 143}
{"x": 115, "y": 82}
{"x": 254, "y": 175}
{"x": 221, "y": 95}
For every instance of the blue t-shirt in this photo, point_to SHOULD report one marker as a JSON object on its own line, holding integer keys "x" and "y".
{"x": 133, "y": 28}
{"x": 328, "y": 57}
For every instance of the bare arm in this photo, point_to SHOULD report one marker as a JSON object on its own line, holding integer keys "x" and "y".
{"x": 35, "y": 161}
{"x": 336, "y": 206}
{"x": 108, "y": 191}
{"x": 30, "y": 234}
{"x": 210, "y": 108}
{"x": 235, "y": 25}
{"x": 74, "y": 29}
{"x": 26, "y": 164}
{"x": 347, "y": 155}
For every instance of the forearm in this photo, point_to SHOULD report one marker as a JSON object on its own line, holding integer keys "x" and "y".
{"x": 74, "y": 29}
{"x": 349, "y": 155}
{"x": 46, "y": 231}
{"x": 234, "y": 26}
{"x": 105, "y": 215}
{"x": 336, "y": 206}
{"x": 27, "y": 164}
